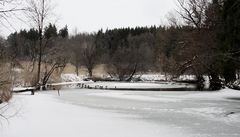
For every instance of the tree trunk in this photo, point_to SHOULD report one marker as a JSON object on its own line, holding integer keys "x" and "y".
{"x": 90, "y": 72}
{"x": 77, "y": 70}
{"x": 133, "y": 73}
{"x": 40, "y": 58}
{"x": 166, "y": 76}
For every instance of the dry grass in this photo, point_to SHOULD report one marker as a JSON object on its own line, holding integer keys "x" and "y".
{"x": 5, "y": 82}
{"x": 30, "y": 78}
{"x": 71, "y": 69}
{"x": 98, "y": 71}
{"x": 27, "y": 77}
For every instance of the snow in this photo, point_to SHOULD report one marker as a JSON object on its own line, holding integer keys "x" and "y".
{"x": 108, "y": 113}
{"x": 44, "y": 116}
{"x": 161, "y": 77}
{"x": 72, "y": 78}
{"x": 22, "y": 88}
{"x": 70, "y": 83}
{"x": 134, "y": 97}
{"x": 187, "y": 77}
{"x": 18, "y": 70}
{"x": 152, "y": 77}
{"x": 237, "y": 83}
{"x": 203, "y": 114}
{"x": 215, "y": 95}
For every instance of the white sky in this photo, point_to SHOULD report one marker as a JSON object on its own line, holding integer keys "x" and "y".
{"x": 92, "y": 15}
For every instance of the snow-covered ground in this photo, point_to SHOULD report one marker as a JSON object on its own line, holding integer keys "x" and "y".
{"x": 72, "y": 77}
{"x": 99, "y": 113}
{"x": 46, "y": 116}
{"x": 161, "y": 77}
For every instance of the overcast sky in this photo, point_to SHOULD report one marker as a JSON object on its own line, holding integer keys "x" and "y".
{"x": 92, "y": 15}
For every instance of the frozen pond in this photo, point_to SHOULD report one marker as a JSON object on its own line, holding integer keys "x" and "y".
{"x": 95, "y": 113}
{"x": 201, "y": 113}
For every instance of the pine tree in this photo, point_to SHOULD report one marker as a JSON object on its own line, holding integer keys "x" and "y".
{"x": 50, "y": 31}
{"x": 64, "y": 32}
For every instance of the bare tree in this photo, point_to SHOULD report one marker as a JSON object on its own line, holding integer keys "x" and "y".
{"x": 193, "y": 11}
{"x": 54, "y": 63}
{"x": 167, "y": 65}
{"x": 136, "y": 57}
{"x": 84, "y": 52}
{"x": 204, "y": 15}
{"x": 75, "y": 52}
{"x": 8, "y": 6}
{"x": 89, "y": 55}
{"x": 10, "y": 10}
{"x": 173, "y": 19}
{"x": 39, "y": 12}
{"x": 55, "y": 57}
{"x": 122, "y": 64}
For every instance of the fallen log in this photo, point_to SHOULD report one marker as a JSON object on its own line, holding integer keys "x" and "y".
{"x": 21, "y": 90}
